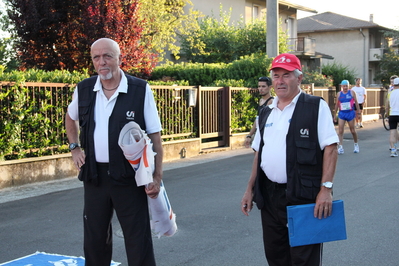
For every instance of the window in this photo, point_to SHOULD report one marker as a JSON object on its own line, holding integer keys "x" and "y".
{"x": 255, "y": 12}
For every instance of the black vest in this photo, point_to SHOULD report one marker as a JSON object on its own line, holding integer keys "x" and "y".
{"x": 304, "y": 158}
{"x": 128, "y": 107}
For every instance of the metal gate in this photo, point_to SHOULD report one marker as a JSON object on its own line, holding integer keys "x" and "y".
{"x": 214, "y": 116}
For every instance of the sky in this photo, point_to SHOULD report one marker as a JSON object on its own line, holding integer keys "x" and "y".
{"x": 385, "y": 12}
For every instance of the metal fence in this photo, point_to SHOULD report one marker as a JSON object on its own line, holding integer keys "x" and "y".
{"x": 47, "y": 100}
{"x": 185, "y": 111}
{"x": 375, "y": 101}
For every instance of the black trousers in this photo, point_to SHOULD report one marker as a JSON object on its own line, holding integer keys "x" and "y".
{"x": 275, "y": 234}
{"x": 130, "y": 205}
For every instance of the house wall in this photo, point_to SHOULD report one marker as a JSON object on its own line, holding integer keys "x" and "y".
{"x": 348, "y": 48}
{"x": 244, "y": 9}
{"x": 212, "y": 8}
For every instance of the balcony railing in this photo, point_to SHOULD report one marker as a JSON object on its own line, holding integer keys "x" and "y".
{"x": 303, "y": 45}
{"x": 376, "y": 54}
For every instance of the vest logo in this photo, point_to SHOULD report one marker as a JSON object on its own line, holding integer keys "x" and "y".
{"x": 304, "y": 133}
{"x": 130, "y": 115}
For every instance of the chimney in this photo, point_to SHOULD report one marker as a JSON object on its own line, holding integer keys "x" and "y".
{"x": 371, "y": 18}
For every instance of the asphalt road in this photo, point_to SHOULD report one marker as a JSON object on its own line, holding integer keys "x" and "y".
{"x": 205, "y": 193}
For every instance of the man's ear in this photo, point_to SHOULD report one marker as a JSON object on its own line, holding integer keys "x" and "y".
{"x": 300, "y": 78}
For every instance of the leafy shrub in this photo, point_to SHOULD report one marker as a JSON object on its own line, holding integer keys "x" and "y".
{"x": 317, "y": 78}
{"x": 339, "y": 72}
{"x": 218, "y": 40}
{"x": 168, "y": 82}
{"x": 36, "y": 75}
{"x": 243, "y": 111}
{"x": 228, "y": 83}
{"x": 247, "y": 68}
{"x": 389, "y": 65}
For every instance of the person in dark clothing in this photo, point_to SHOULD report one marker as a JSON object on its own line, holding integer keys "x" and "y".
{"x": 295, "y": 137}
{"x": 264, "y": 87}
{"x": 101, "y": 106}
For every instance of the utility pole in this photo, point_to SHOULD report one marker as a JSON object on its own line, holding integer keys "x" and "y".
{"x": 272, "y": 28}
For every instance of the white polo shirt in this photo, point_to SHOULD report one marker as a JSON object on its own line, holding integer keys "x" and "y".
{"x": 393, "y": 97}
{"x": 273, "y": 161}
{"x": 103, "y": 110}
{"x": 360, "y": 92}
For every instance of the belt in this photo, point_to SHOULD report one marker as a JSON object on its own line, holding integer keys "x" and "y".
{"x": 276, "y": 185}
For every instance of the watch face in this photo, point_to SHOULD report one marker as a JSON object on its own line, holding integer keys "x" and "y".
{"x": 73, "y": 146}
{"x": 328, "y": 184}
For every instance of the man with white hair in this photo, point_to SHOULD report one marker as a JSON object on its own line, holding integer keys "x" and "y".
{"x": 296, "y": 137}
{"x": 101, "y": 106}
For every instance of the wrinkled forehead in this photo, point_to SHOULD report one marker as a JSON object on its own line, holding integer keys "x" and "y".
{"x": 105, "y": 46}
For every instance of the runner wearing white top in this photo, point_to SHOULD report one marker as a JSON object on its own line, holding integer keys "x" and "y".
{"x": 361, "y": 95}
{"x": 393, "y": 112}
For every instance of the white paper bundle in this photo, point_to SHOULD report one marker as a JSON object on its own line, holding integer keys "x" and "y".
{"x": 137, "y": 148}
{"x": 163, "y": 220}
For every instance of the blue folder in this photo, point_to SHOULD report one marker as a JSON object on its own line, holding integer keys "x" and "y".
{"x": 305, "y": 229}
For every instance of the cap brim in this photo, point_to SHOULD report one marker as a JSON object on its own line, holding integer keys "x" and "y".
{"x": 283, "y": 67}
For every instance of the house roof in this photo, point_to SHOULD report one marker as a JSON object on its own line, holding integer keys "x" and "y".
{"x": 330, "y": 21}
{"x": 295, "y": 6}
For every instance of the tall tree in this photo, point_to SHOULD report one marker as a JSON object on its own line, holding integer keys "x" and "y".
{"x": 218, "y": 40}
{"x": 389, "y": 64}
{"x": 57, "y": 34}
{"x": 163, "y": 21}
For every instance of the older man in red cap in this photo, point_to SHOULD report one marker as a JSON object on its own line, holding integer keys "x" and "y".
{"x": 296, "y": 145}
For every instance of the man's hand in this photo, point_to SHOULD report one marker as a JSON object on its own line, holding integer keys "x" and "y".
{"x": 323, "y": 206}
{"x": 153, "y": 188}
{"x": 246, "y": 202}
{"x": 78, "y": 157}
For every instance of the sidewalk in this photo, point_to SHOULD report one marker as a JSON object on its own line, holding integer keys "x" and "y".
{"x": 41, "y": 188}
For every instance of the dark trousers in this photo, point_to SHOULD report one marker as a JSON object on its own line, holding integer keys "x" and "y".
{"x": 130, "y": 205}
{"x": 275, "y": 235}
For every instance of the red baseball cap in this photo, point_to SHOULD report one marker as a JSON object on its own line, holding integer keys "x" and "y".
{"x": 286, "y": 61}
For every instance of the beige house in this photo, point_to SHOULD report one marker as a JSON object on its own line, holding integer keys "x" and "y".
{"x": 350, "y": 42}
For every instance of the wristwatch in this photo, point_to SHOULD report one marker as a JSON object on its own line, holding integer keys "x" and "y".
{"x": 249, "y": 136}
{"x": 73, "y": 146}
{"x": 327, "y": 184}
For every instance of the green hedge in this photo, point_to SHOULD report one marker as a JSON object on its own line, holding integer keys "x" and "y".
{"x": 35, "y": 75}
{"x": 248, "y": 68}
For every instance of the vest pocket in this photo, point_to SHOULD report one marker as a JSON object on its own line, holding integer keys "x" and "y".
{"x": 309, "y": 185}
{"x": 306, "y": 152}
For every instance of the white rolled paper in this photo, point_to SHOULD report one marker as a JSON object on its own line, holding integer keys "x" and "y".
{"x": 137, "y": 148}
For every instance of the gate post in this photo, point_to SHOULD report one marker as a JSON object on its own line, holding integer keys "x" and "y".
{"x": 227, "y": 122}
{"x": 200, "y": 114}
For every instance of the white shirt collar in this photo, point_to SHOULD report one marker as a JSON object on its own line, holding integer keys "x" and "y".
{"x": 122, "y": 84}
{"x": 294, "y": 101}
